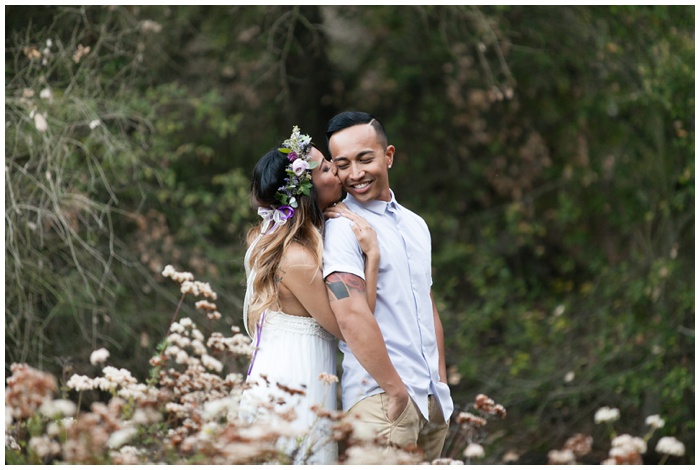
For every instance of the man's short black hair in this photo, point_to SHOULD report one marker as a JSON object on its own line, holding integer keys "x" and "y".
{"x": 352, "y": 118}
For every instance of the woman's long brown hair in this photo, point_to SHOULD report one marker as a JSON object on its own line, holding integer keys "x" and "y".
{"x": 305, "y": 228}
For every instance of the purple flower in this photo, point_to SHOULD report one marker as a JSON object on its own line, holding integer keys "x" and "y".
{"x": 292, "y": 156}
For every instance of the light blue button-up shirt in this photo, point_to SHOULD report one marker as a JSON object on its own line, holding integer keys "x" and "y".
{"x": 404, "y": 309}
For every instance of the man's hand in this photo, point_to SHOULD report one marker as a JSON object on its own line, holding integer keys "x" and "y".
{"x": 397, "y": 403}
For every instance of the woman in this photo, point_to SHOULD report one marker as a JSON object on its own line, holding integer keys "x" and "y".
{"x": 286, "y": 298}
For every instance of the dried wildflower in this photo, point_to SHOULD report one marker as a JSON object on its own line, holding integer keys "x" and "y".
{"x": 579, "y": 444}
{"x": 99, "y": 356}
{"x": 636, "y": 444}
{"x": 118, "y": 377}
{"x": 44, "y": 446}
{"x": 32, "y": 53}
{"x": 211, "y": 363}
{"x": 121, "y": 437}
{"x": 561, "y": 457}
{"x": 80, "y": 383}
{"x": 670, "y": 446}
{"x": 488, "y": 406}
{"x": 484, "y": 403}
{"x": 453, "y": 376}
{"x": 474, "y": 451}
{"x": 11, "y": 443}
{"x": 150, "y": 26}
{"x": 198, "y": 347}
{"x": 182, "y": 357}
{"x": 127, "y": 455}
{"x": 46, "y": 94}
{"x": 510, "y": 456}
{"x": 606, "y": 414}
{"x": 327, "y": 378}
{"x": 27, "y": 388}
{"x": 80, "y": 53}
{"x": 40, "y": 122}
{"x": 57, "y": 408}
{"x": 446, "y": 461}
{"x": 470, "y": 419}
{"x": 168, "y": 271}
{"x": 205, "y": 305}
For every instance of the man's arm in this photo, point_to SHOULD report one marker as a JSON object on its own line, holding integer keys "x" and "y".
{"x": 440, "y": 338}
{"x": 348, "y": 299}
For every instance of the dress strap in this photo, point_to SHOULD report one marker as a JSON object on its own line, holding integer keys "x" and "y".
{"x": 258, "y": 335}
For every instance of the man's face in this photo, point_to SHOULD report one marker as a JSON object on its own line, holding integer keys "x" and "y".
{"x": 362, "y": 162}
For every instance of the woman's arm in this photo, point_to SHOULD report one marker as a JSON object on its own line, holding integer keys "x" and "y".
{"x": 304, "y": 279}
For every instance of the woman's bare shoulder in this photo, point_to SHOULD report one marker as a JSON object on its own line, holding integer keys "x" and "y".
{"x": 297, "y": 255}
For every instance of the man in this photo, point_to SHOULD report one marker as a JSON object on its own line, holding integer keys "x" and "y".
{"x": 394, "y": 373}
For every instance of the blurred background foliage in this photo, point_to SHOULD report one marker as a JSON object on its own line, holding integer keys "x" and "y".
{"x": 550, "y": 150}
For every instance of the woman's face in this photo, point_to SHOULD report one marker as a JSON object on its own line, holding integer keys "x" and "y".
{"x": 325, "y": 180}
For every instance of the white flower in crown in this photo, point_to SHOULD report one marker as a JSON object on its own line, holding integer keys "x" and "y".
{"x": 299, "y": 166}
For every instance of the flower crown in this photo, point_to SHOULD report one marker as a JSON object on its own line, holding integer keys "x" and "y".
{"x": 298, "y": 180}
{"x": 296, "y": 183}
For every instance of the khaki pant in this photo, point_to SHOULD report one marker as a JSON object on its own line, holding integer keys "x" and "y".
{"x": 409, "y": 429}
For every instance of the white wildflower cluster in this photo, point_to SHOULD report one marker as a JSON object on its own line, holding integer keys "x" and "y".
{"x": 121, "y": 437}
{"x": 561, "y": 457}
{"x": 626, "y": 450}
{"x": 80, "y": 383}
{"x": 187, "y": 412}
{"x": 44, "y": 446}
{"x": 150, "y": 26}
{"x": 212, "y": 363}
{"x": 606, "y": 415}
{"x": 670, "y": 446}
{"x": 198, "y": 288}
{"x": 138, "y": 392}
{"x": 209, "y": 308}
{"x": 474, "y": 451}
{"x": 187, "y": 283}
{"x": 327, "y": 378}
{"x": 655, "y": 422}
{"x": 99, "y": 356}
{"x": 114, "y": 379}
{"x": 446, "y": 461}
{"x": 574, "y": 447}
{"x": 238, "y": 344}
{"x": 180, "y": 277}
{"x": 57, "y": 408}
{"x": 471, "y": 423}
{"x": 128, "y": 455}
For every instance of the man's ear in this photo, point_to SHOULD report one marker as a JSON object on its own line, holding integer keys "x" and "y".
{"x": 389, "y": 153}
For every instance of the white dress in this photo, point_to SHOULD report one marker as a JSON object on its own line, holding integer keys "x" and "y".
{"x": 292, "y": 351}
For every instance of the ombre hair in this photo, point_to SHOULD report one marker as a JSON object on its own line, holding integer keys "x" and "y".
{"x": 305, "y": 228}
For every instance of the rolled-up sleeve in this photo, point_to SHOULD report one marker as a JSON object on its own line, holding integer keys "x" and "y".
{"x": 341, "y": 250}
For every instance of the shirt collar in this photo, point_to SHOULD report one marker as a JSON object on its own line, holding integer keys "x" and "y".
{"x": 375, "y": 205}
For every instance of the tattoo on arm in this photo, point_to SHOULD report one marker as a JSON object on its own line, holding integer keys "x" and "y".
{"x": 341, "y": 285}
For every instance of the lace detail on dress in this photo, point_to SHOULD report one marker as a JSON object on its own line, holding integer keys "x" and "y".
{"x": 296, "y": 324}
